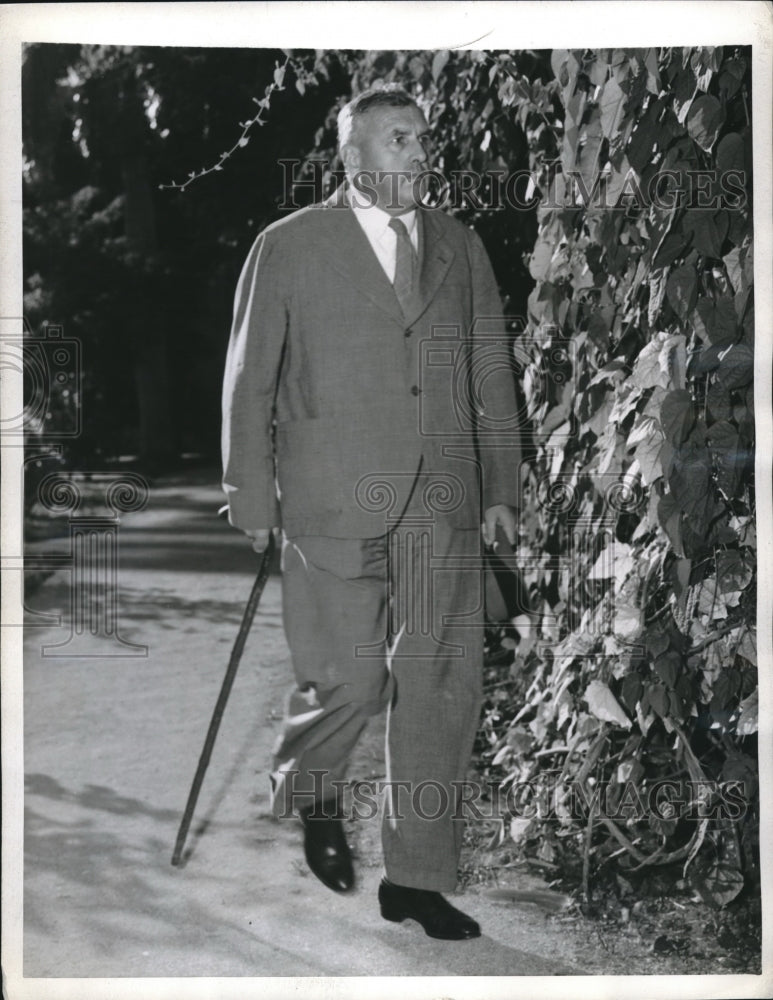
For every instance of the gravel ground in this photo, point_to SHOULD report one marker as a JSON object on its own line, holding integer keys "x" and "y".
{"x": 110, "y": 748}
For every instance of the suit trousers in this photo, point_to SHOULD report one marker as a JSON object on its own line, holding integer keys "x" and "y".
{"x": 392, "y": 622}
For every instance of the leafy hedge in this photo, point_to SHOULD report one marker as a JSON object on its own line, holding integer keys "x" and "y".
{"x": 639, "y": 541}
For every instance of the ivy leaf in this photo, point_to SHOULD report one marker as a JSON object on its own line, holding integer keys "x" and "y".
{"x": 684, "y": 89}
{"x": 682, "y": 290}
{"x": 598, "y": 70}
{"x": 539, "y": 263}
{"x": 740, "y": 226}
{"x": 561, "y": 412}
{"x": 667, "y": 667}
{"x": 603, "y": 704}
{"x": 718, "y": 321}
{"x": 710, "y": 602}
{"x": 718, "y": 401}
{"x": 689, "y": 479}
{"x": 673, "y": 359}
{"x": 736, "y": 366}
{"x": 735, "y": 265}
{"x": 616, "y": 181}
{"x": 708, "y": 230}
{"x": 611, "y": 101}
{"x": 644, "y": 717}
{"x": 653, "y": 75}
{"x": 708, "y": 359}
{"x": 574, "y": 112}
{"x": 519, "y": 826}
{"x": 748, "y": 722}
{"x": 657, "y": 283}
{"x": 565, "y": 67}
{"x": 724, "y": 442}
{"x": 588, "y": 159}
{"x": 670, "y": 517}
{"x": 733, "y": 571}
{"x": 655, "y": 697}
{"x": 730, "y": 153}
{"x": 704, "y": 120}
{"x": 631, "y": 689}
{"x": 647, "y": 438}
{"x": 670, "y": 248}
{"x": 648, "y": 371}
{"x": 731, "y": 77}
{"x": 439, "y": 61}
{"x": 716, "y": 882}
{"x": 614, "y": 562}
{"x": 748, "y": 647}
{"x": 598, "y": 330}
{"x": 677, "y": 415}
{"x": 627, "y": 621}
{"x": 656, "y": 640}
{"x": 639, "y": 150}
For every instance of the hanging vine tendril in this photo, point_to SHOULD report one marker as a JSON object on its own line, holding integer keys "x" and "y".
{"x": 243, "y": 140}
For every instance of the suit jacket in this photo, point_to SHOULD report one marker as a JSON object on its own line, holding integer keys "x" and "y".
{"x": 353, "y": 407}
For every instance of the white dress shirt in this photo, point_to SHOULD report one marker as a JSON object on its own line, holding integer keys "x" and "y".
{"x": 375, "y": 224}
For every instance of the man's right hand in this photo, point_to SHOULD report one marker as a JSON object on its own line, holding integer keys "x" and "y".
{"x": 259, "y": 538}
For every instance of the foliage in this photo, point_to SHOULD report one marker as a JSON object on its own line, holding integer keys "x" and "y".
{"x": 638, "y": 541}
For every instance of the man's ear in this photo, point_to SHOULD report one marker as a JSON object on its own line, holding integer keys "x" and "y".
{"x": 351, "y": 157}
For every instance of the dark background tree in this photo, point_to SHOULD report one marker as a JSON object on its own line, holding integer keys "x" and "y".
{"x": 142, "y": 276}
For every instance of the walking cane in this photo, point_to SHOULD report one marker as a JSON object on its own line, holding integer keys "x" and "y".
{"x": 225, "y": 690}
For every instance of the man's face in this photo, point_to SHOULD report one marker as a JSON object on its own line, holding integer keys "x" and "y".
{"x": 388, "y": 150}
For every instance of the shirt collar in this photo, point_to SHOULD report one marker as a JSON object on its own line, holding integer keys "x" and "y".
{"x": 375, "y": 221}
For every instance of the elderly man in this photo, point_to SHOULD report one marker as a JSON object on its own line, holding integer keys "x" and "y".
{"x": 381, "y": 461}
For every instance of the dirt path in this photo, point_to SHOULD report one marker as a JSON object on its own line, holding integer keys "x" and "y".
{"x": 110, "y": 749}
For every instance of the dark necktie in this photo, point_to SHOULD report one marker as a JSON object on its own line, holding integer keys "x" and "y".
{"x": 405, "y": 270}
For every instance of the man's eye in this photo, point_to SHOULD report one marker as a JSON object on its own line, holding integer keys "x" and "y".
{"x": 398, "y": 140}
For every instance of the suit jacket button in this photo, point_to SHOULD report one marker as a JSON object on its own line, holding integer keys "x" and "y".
{"x": 409, "y": 332}
{"x": 415, "y": 390}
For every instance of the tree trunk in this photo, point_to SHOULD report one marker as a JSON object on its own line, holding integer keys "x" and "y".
{"x": 149, "y": 335}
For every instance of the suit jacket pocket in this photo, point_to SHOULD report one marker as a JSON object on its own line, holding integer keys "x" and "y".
{"x": 339, "y": 474}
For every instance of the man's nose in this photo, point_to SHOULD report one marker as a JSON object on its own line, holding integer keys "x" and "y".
{"x": 419, "y": 153}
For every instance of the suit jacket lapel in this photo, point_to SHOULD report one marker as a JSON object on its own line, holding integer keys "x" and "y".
{"x": 350, "y": 253}
{"x": 436, "y": 256}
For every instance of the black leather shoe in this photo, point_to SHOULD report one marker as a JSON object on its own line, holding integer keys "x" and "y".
{"x": 435, "y": 914}
{"x": 327, "y": 852}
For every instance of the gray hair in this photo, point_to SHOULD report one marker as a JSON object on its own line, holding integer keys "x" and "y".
{"x": 388, "y": 96}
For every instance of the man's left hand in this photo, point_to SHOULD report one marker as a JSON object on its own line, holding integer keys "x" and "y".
{"x": 504, "y": 516}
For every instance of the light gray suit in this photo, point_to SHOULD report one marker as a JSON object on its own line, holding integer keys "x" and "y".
{"x": 387, "y": 432}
